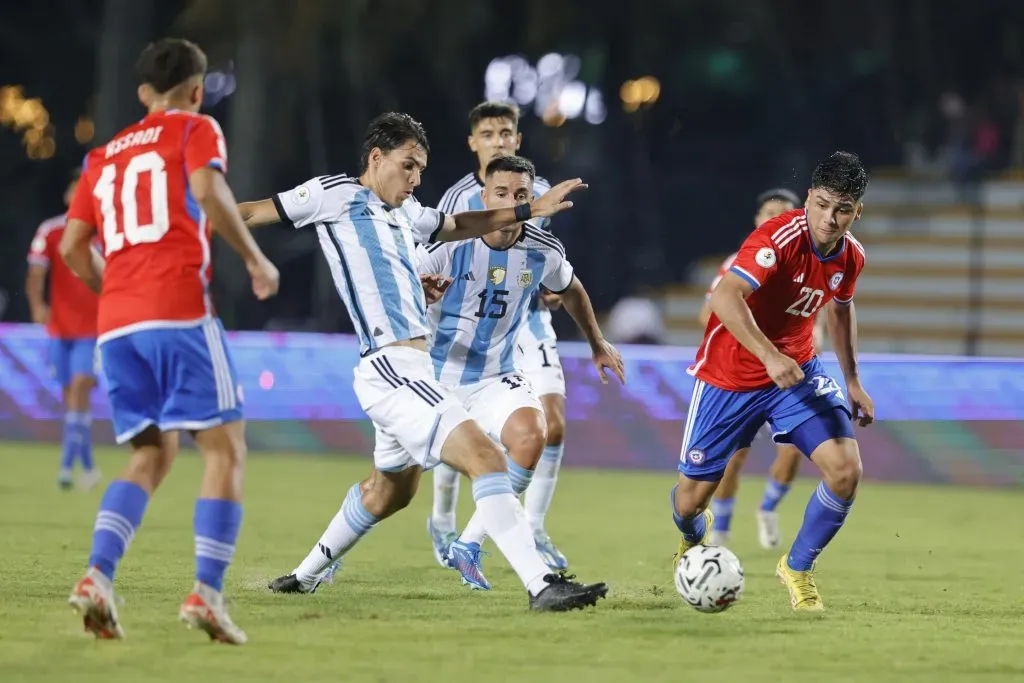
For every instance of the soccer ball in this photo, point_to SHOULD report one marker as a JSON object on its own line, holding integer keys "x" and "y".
{"x": 709, "y": 578}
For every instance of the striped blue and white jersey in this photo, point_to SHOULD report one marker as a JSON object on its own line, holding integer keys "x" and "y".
{"x": 370, "y": 249}
{"x": 465, "y": 196}
{"x": 476, "y": 324}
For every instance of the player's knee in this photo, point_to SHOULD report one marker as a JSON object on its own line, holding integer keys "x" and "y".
{"x": 524, "y": 436}
{"x": 554, "y": 415}
{"x": 842, "y": 468}
{"x": 150, "y": 460}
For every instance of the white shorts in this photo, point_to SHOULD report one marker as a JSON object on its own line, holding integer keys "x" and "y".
{"x": 411, "y": 412}
{"x": 539, "y": 361}
{"x": 492, "y": 401}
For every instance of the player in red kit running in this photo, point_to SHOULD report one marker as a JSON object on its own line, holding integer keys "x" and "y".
{"x": 154, "y": 193}
{"x": 758, "y": 363}
{"x": 70, "y": 319}
{"x": 784, "y": 468}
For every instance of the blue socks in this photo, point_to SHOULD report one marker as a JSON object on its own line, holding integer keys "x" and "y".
{"x": 216, "y": 525}
{"x": 721, "y": 508}
{"x": 77, "y": 441}
{"x": 120, "y": 514}
{"x": 518, "y": 476}
{"x": 774, "y": 492}
{"x": 692, "y": 528}
{"x": 823, "y": 518}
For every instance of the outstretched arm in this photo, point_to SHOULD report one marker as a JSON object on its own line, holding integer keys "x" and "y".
{"x": 472, "y": 224}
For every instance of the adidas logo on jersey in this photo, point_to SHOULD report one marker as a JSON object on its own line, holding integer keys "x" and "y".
{"x": 799, "y": 278}
{"x": 469, "y": 276}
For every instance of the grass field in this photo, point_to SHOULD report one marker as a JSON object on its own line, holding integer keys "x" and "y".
{"x": 924, "y": 584}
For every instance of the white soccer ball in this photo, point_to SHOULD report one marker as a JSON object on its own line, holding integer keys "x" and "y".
{"x": 709, "y": 578}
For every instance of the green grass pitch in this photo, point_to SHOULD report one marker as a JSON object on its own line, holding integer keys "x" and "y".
{"x": 923, "y": 584}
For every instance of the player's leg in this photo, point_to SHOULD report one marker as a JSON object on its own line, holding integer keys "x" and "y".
{"x": 59, "y": 361}
{"x": 135, "y": 402}
{"x": 813, "y": 417}
{"x": 83, "y": 380}
{"x": 441, "y": 525}
{"x": 507, "y": 410}
{"x": 780, "y": 477}
{"x": 469, "y": 450}
{"x": 202, "y": 396}
{"x": 718, "y": 424}
{"x": 389, "y": 488}
{"x": 724, "y": 500}
{"x": 543, "y": 368}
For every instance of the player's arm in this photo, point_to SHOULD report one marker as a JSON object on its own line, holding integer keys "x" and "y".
{"x": 577, "y": 303}
{"x": 473, "y": 224}
{"x": 729, "y": 303}
{"x": 259, "y": 213}
{"x": 76, "y": 242}
{"x": 77, "y": 252}
{"x": 842, "y": 331}
{"x": 35, "y": 286}
{"x": 704, "y": 315}
{"x": 433, "y": 265}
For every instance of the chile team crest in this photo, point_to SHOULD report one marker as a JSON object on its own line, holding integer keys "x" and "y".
{"x": 834, "y": 282}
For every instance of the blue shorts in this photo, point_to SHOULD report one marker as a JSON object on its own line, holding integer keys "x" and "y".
{"x": 71, "y": 357}
{"x": 720, "y": 422}
{"x": 174, "y": 378}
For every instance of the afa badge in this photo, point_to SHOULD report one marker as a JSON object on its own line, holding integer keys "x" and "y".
{"x": 834, "y": 282}
{"x": 496, "y": 274}
{"x": 300, "y": 195}
{"x": 525, "y": 278}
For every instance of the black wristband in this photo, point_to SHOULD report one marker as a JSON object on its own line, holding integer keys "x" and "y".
{"x": 523, "y": 212}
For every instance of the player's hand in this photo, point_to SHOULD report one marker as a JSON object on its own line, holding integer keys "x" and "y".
{"x": 551, "y": 301}
{"x": 783, "y": 370}
{"x": 861, "y": 405}
{"x": 41, "y": 315}
{"x": 553, "y": 201}
{"x": 265, "y": 278}
{"x": 434, "y": 286}
{"x": 607, "y": 357}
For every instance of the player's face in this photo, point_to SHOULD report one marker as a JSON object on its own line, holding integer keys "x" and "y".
{"x": 506, "y": 190}
{"x": 772, "y": 208}
{"x": 397, "y": 173}
{"x": 493, "y": 138}
{"x": 830, "y": 215}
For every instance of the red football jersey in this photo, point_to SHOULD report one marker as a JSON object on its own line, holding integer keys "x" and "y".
{"x": 155, "y": 238}
{"x": 792, "y": 282}
{"x": 72, "y": 304}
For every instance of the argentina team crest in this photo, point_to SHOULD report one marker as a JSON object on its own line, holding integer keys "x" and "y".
{"x": 496, "y": 274}
{"x": 525, "y": 278}
{"x": 834, "y": 282}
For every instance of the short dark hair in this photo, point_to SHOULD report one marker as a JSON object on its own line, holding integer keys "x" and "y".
{"x": 510, "y": 164}
{"x": 780, "y": 194}
{"x": 493, "y": 109}
{"x": 169, "y": 62}
{"x": 841, "y": 173}
{"x": 390, "y": 131}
